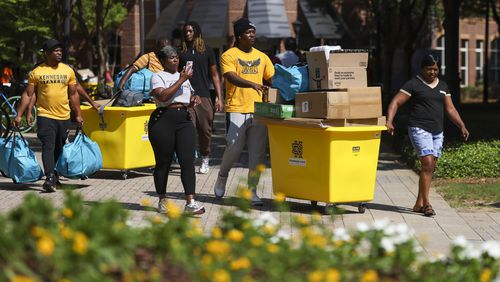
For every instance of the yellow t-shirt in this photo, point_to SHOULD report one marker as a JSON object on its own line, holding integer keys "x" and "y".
{"x": 154, "y": 64}
{"x": 253, "y": 66}
{"x": 52, "y": 90}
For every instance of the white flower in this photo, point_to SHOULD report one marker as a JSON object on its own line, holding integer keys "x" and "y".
{"x": 241, "y": 214}
{"x": 281, "y": 235}
{"x": 362, "y": 227}
{"x": 265, "y": 218}
{"x": 492, "y": 248}
{"x": 341, "y": 234}
{"x": 381, "y": 224}
{"x": 364, "y": 248}
{"x": 460, "y": 241}
{"x": 388, "y": 245}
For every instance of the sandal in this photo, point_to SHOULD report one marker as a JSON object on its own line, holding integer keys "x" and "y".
{"x": 418, "y": 210}
{"x": 429, "y": 211}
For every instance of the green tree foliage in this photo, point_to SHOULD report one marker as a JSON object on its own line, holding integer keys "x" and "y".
{"x": 25, "y": 24}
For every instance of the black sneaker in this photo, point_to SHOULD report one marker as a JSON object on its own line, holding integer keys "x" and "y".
{"x": 50, "y": 183}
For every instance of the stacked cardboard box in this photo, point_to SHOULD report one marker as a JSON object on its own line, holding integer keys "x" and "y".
{"x": 339, "y": 90}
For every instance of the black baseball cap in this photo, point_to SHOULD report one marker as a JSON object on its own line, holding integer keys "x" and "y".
{"x": 51, "y": 44}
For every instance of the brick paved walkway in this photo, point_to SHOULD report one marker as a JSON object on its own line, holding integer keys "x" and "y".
{"x": 395, "y": 193}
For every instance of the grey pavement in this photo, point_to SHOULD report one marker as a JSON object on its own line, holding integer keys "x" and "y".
{"x": 395, "y": 193}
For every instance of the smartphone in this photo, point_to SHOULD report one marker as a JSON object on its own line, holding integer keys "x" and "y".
{"x": 189, "y": 65}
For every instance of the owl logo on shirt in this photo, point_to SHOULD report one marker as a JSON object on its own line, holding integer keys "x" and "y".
{"x": 249, "y": 67}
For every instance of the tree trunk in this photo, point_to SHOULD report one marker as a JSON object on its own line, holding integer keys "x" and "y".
{"x": 101, "y": 45}
{"x": 451, "y": 28}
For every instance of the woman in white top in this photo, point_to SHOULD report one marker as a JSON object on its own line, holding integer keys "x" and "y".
{"x": 171, "y": 129}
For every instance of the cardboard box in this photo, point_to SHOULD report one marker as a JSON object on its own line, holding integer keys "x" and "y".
{"x": 350, "y": 103}
{"x": 274, "y": 97}
{"x": 355, "y": 122}
{"x": 341, "y": 70}
{"x": 274, "y": 110}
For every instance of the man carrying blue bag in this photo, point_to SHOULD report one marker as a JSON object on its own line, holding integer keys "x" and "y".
{"x": 80, "y": 158}
{"x": 54, "y": 82}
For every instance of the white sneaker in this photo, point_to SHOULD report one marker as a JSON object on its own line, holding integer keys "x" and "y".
{"x": 204, "y": 165}
{"x": 162, "y": 205}
{"x": 194, "y": 208}
{"x": 220, "y": 186}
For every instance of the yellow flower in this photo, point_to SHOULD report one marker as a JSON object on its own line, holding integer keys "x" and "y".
{"x": 485, "y": 275}
{"x": 45, "y": 245}
{"x": 206, "y": 260}
{"x": 316, "y": 216}
{"x": 241, "y": 263}
{"x": 66, "y": 232}
{"x": 272, "y": 248}
{"x": 339, "y": 243}
{"x": 81, "y": 243}
{"x": 245, "y": 193}
{"x": 38, "y": 232}
{"x": 302, "y": 219}
{"x": 154, "y": 273}
{"x": 173, "y": 210}
{"x": 268, "y": 229}
{"x": 67, "y": 212}
{"x": 279, "y": 197}
{"x": 235, "y": 235}
{"x": 261, "y": 168}
{"x": 145, "y": 202}
{"x": 157, "y": 219}
{"x": 369, "y": 276}
{"x": 220, "y": 275}
{"x": 317, "y": 240}
{"x": 256, "y": 241}
{"x": 315, "y": 276}
{"x": 217, "y": 232}
{"x": 332, "y": 275}
{"x": 218, "y": 247}
{"x": 21, "y": 278}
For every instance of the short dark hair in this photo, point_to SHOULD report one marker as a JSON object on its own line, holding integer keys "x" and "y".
{"x": 290, "y": 44}
{"x": 429, "y": 60}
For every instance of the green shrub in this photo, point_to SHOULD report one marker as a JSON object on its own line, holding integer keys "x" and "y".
{"x": 39, "y": 242}
{"x": 474, "y": 160}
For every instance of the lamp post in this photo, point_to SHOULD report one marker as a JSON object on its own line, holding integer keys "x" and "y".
{"x": 296, "y": 28}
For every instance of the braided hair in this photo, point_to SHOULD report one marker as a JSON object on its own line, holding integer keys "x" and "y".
{"x": 198, "y": 42}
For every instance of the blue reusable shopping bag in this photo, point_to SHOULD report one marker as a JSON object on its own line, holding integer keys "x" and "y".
{"x": 139, "y": 81}
{"x": 20, "y": 164}
{"x": 80, "y": 158}
{"x": 290, "y": 80}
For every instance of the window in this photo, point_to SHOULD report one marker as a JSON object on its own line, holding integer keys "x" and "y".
{"x": 495, "y": 67}
{"x": 440, "y": 53}
{"x": 479, "y": 60}
{"x": 464, "y": 62}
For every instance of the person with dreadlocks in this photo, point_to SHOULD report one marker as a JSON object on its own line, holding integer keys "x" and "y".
{"x": 204, "y": 68}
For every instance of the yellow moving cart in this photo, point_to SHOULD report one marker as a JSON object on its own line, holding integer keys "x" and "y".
{"x": 122, "y": 136}
{"x": 321, "y": 163}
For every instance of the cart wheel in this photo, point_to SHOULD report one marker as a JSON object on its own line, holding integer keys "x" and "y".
{"x": 314, "y": 204}
{"x": 362, "y": 208}
{"x": 330, "y": 208}
{"x": 124, "y": 175}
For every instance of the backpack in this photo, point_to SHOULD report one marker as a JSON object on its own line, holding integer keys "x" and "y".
{"x": 128, "y": 98}
{"x": 139, "y": 81}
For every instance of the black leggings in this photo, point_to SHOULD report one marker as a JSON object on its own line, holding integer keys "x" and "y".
{"x": 53, "y": 134}
{"x": 171, "y": 130}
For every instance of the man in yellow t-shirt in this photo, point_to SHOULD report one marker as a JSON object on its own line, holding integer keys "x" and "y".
{"x": 53, "y": 81}
{"x": 244, "y": 69}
